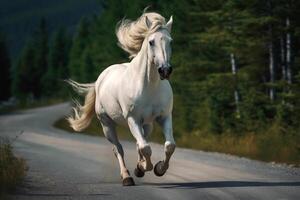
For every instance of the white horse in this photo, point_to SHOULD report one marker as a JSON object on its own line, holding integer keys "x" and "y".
{"x": 134, "y": 94}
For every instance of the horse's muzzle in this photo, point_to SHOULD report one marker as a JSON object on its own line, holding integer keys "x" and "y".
{"x": 165, "y": 72}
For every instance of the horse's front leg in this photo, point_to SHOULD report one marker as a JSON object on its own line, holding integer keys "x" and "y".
{"x": 143, "y": 147}
{"x": 166, "y": 124}
{"x": 147, "y": 128}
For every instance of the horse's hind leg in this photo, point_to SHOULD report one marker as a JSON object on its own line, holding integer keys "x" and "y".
{"x": 143, "y": 147}
{"x": 162, "y": 166}
{"x": 110, "y": 133}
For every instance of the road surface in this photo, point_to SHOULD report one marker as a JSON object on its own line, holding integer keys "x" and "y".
{"x": 66, "y": 165}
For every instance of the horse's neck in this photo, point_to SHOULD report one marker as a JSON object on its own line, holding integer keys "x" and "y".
{"x": 145, "y": 73}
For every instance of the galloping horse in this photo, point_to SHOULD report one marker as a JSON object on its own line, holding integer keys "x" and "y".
{"x": 134, "y": 94}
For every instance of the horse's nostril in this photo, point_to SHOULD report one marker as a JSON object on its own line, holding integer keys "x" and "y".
{"x": 160, "y": 70}
{"x": 165, "y": 72}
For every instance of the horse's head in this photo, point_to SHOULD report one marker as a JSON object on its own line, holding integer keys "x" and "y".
{"x": 159, "y": 48}
{"x": 151, "y": 33}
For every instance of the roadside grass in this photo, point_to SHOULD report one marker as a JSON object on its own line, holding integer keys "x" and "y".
{"x": 12, "y": 168}
{"x": 270, "y": 146}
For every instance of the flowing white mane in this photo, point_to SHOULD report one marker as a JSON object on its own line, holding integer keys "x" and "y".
{"x": 131, "y": 34}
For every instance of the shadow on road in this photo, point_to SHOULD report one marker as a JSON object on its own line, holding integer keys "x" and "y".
{"x": 221, "y": 184}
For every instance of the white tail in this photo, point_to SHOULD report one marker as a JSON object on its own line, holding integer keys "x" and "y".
{"x": 83, "y": 114}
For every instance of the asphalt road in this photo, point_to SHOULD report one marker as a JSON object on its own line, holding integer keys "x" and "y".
{"x": 66, "y": 165}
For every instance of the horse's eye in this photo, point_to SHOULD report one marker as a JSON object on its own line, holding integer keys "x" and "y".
{"x": 151, "y": 42}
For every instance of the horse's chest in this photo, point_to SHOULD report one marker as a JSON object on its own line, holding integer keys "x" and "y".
{"x": 147, "y": 112}
{"x": 146, "y": 106}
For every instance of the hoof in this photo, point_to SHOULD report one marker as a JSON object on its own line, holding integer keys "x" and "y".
{"x": 138, "y": 173}
{"x": 159, "y": 169}
{"x": 128, "y": 181}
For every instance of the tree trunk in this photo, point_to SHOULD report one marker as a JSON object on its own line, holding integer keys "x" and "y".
{"x": 234, "y": 71}
{"x": 282, "y": 59}
{"x": 288, "y": 52}
{"x": 271, "y": 63}
{"x": 271, "y": 53}
{"x": 233, "y": 64}
{"x": 271, "y": 68}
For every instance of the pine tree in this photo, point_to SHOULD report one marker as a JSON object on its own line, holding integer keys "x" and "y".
{"x": 5, "y": 79}
{"x": 32, "y": 65}
{"x": 40, "y": 43}
{"x": 79, "y": 44}
{"x": 58, "y": 63}
{"x": 88, "y": 68}
{"x": 23, "y": 84}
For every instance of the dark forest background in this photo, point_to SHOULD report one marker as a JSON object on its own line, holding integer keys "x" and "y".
{"x": 236, "y": 77}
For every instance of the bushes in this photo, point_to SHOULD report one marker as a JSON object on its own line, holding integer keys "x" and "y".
{"x": 12, "y": 169}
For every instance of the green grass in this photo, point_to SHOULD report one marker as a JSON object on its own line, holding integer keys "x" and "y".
{"x": 270, "y": 146}
{"x": 12, "y": 168}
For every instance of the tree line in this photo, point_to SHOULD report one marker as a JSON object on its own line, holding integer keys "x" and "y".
{"x": 40, "y": 67}
{"x": 236, "y": 63}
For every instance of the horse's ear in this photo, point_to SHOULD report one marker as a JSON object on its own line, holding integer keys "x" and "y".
{"x": 148, "y": 23}
{"x": 169, "y": 24}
